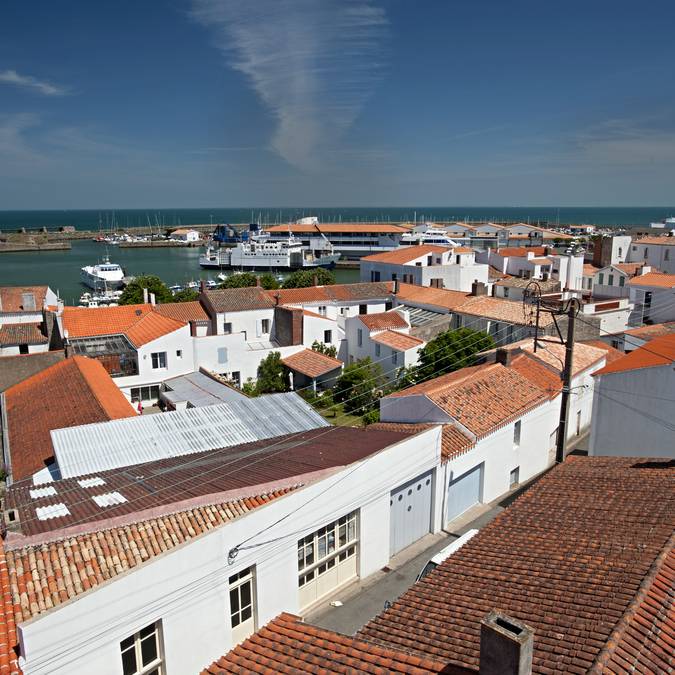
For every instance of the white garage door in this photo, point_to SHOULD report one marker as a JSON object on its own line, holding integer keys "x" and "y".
{"x": 464, "y": 491}
{"x": 410, "y": 512}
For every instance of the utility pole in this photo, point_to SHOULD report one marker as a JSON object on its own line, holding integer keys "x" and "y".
{"x": 572, "y": 309}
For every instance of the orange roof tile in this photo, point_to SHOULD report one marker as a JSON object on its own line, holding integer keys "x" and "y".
{"x": 590, "y": 270}
{"x": 383, "y": 320}
{"x": 662, "y": 241}
{"x": 653, "y": 330}
{"x": 463, "y": 249}
{"x": 72, "y": 392}
{"x": 311, "y": 363}
{"x": 481, "y": 398}
{"x": 183, "y": 311}
{"x": 399, "y": 341}
{"x": 499, "y": 309}
{"x": 11, "y": 298}
{"x": 334, "y": 228}
{"x": 22, "y": 333}
{"x": 658, "y": 352}
{"x": 453, "y": 441}
{"x": 140, "y": 323}
{"x": 611, "y": 354}
{"x": 656, "y": 279}
{"x": 521, "y": 251}
{"x": 334, "y": 293}
{"x": 288, "y": 645}
{"x": 537, "y": 372}
{"x": 425, "y": 295}
{"x": 540, "y": 261}
{"x": 406, "y": 254}
{"x": 9, "y": 642}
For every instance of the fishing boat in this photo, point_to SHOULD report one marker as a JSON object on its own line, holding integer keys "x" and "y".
{"x": 259, "y": 253}
{"x": 103, "y": 276}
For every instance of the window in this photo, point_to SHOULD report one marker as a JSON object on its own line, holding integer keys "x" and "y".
{"x": 331, "y": 544}
{"x": 635, "y": 248}
{"x": 227, "y": 328}
{"x": 506, "y": 291}
{"x": 222, "y": 355}
{"x": 578, "y": 422}
{"x": 622, "y": 281}
{"x": 363, "y": 309}
{"x": 322, "y": 310}
{"x": 179, "y": 353}
{"x": 601, "y": 278}
{"x": 241, "y": 597}
{"x": 359, "y": 337}
{"x": 516, "y": 434}
{"x": 430, "y": 260}
{"x": 514, "y": 477}
{"x": 158, "y": 360}
{"x": 458, "y": 259}
{"x": 378, "y": 349}
{"x": 646, "y": 252}
{"x": 236, "y": 378}
{"x": 610, "y": 280}
{"x": 265, "y": 326}
{"x": 620, "y": 251}
{"x": 666, "y": 254}
{"x": 23, "y": 349}
{"x": 150, "y": 393}
{"x": 394, "y": 357}
{"x": 142, "y": 652}
{"x": 436, "y": 283}
{"x": 374, "y": 276}
{"x": 328, "y": 336}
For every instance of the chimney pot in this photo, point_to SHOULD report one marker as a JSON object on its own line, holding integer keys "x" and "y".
{"x": 478, "y": 288}
{"x": 152, "y": 298}
{"x": 315, "y": 280}
{"x": 503, "y": 356}
{"x": 202, "y": 285}
{"x": 395, "y": 287}
{"x": 505, "y": 646}
{"x": 145, "y": 296}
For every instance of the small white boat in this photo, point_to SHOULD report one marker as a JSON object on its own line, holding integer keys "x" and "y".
{"x": 175, "y": 288}
{"x": 211, "y": 283}
{"x": 432, "y": 235}
{"x": 192, "y": 285}
{"x": 103, "y": 276}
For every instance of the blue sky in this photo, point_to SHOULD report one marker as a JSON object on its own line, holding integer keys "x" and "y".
{"x": 189, "y": 103}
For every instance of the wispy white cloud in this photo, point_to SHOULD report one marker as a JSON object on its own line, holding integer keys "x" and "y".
{"x": 313, "y": 64}
{"x": 30, "y": 82}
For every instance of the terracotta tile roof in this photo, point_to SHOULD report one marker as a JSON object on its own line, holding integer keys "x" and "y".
{"x": 520, "y": 251}
{"x": 140, "y": 323}
{"x": 590, "y": 270}
{"x": 652, "y": 331}
{"x": 398, "y": 341}
{"x": 658, "y": 352}
{"x": 499, "y": 309}
{"x": 383, "y": 320}
{"x": 437, "y": 297}
{"x": 406, "y": 254}
{"x": 543, "y": 376}
{"x": 183, "y": 311}
{"x": 15, "y": 369}
{"x": 496, "y": 274}
{"x": 548, "y": 286}
{"x": 334, "y": 293}
{"x": 11, "y": 298}
{"x": 481, "y": 398}
{"x": 316, "y": 315}
{"x": 570, "y": 558}
{"x": 611, "y": 354}
{"x": 662, "y": 241}
{"x": 311, "y": 363}
{"x": 75, "y": 391}
{"x": 540, "y": 261}
{"x": 453, "y": 441}
{"x": 22, "y": 334}
{"x": 631, "y": 268}
{"x": 288, "y": 645}
{"x": 463, "y": 249}
{"x": 239, "y": 299}
{"x": 47, "y": 575}
{"x": 9, "y": 663}
{"x": 334, "y": 228}
{"x": 654, "y": 279}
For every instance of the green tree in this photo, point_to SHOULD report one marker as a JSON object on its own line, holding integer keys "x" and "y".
{"x": 133, "y": 293}
{"x": 322, "y": 348}
{"x": 186, "y": 295}
{"x": 447, "y": 352}
{"x": 357, "y": 387}
{"x": 305, "y": 278}
{"x": 371, "y": 417}
{"x": 246, "y": 279}
{"x": 272, "y": 375}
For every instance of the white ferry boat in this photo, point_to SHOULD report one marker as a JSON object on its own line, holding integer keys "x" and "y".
{"x": 263, "y": 254}
{"x": 432, "y": 235}
{"x": 103, "y": 276}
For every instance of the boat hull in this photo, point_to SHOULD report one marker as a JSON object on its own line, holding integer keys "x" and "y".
{"x": 98, "y": 284}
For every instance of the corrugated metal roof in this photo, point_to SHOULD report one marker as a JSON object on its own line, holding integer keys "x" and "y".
{"x": 199, "y": 390}
{"x": 91, "y": 448}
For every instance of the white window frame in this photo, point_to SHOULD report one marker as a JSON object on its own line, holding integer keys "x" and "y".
{"x": 266, "y": 326}
{"x": 514, "y": 477}
{"x": 158, "y": 357}
{"x": 337, "y": 540}
{"x": 157, "y": 665}
{"x": 245, "y": 577}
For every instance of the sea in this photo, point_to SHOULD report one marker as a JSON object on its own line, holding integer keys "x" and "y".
{"x": 61, "y": 269}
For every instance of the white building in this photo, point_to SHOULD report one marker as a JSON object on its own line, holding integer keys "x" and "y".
{"x": 657, "y": 252}
{"x": 633, "y": 338}
{"x": 384, "y": 339}
{"x": 163, "y": 571}
{"x": 426, "y": 265}
{"x": 186, "y": 235}
{"x": 611, "y": 281}
{"x": 633, "y": 403}
{"x": 26, "y": 319}
{"x": 653, "y": 298}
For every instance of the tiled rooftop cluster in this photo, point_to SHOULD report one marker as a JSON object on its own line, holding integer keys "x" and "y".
{"x": 22, "y": 298}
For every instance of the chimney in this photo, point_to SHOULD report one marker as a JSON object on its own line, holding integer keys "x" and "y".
{"x": 145, "y": 296}
{"x": 257, "y": 281}
{"x": 276, "y": 298}
{"x": 505, "y": 646}
{"x": 478, "y": 288}
{"x": 152, "y": 298}
{"x": 503, "y": 356}
{"x": 202, "y": 286}
{"x": 394, "y": 289}
{"x": 315, "y": 280}
{"x": 547, "y": 251}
